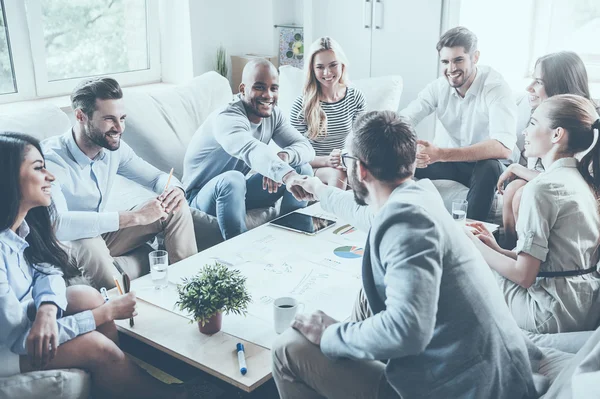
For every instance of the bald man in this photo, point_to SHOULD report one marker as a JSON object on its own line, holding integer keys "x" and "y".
{"x": 234, "y": 140}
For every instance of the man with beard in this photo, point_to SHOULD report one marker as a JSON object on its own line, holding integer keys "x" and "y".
{"x": 476, "y": 108}
{"x": 234, "y": 140}
{"x": 435, "y": 324}
{"x": 86, "y": 161}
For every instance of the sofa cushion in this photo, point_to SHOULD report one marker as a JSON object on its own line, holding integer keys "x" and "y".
{"x": 382, "y": 93}
{"x": 41, "y": 121}
{"x": 69, "y": 383}
{"x": 161, "y": 124}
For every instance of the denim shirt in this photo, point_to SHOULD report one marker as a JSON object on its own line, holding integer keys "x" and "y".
{"x": 20, "y": 283}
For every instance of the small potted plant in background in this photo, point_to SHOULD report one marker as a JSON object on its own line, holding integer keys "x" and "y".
{"x": 221, "y": 62}
{"x": 215, "y": 290}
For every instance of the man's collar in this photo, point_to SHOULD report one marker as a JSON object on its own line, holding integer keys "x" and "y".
{"x": 79, "y": 156}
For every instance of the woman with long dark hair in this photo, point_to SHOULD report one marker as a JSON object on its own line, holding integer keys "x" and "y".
{"x": 44, "y": 324}
{"x": 556, "y": 73}
{"x": 550, "y": 280}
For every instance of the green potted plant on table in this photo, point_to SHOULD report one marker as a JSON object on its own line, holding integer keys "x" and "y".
{"x": 215, "y": 290}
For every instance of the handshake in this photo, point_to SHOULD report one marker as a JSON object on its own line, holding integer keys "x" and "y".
{"x": 303, "y": 188}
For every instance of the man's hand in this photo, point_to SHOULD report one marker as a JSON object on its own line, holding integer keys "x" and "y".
{"x": 292, "y": 184}
{"x": 335, "y": 159}
{"x": 42, "y": 341}
{"x": 430, "y": 150}
{"x": 270, "y": 185}
{"x": 150, "y": 212}
{"x": 312, "y": 186}
{"x": 313, "y": 326}
{"x": 172, "y": 199}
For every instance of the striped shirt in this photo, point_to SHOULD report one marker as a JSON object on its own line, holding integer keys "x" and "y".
{"x": 340, "y": 118}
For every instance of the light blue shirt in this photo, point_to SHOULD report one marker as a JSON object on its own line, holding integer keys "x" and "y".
{"x": 20, "y": 283}
{"x": 82, "y": 186}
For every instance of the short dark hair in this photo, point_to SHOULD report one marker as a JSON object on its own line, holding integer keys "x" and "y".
{"x": 86, "y": 93}
{"x": 43, "y": 245}
{"x": 386, "y": 144}
{"x": 564, "y": 73}
{"x": 458, "y": 37}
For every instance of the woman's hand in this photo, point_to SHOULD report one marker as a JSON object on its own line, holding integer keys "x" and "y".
{"x": 42, "y": 341}
{"x": 506, "y": 177}
{"x": 484, "y": 235}
{"x": 335, "y": 159}
{"x": 123, "y": 307}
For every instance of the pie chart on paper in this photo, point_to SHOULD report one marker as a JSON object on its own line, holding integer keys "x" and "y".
{"x": 349, "y": 252}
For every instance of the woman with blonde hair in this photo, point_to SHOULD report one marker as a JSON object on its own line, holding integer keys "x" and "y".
{"x": 550, "y": 280}
{"x": 327, "y": 109}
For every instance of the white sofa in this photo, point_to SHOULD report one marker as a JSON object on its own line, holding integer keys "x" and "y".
{"x": 159, "y": 127}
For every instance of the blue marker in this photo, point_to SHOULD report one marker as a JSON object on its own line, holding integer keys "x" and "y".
{"x": 241, "y": 358}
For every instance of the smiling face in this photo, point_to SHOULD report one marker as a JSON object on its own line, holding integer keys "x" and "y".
{"x": 34, "y": 180}
{"x": 538, "y": 134}
{"x": 259, "y": 92}
{"x": 327, "y": 68}
{"x": 536, "y": 89}
{"x": 458, "y": 67}
{"x": 106, "y": 125}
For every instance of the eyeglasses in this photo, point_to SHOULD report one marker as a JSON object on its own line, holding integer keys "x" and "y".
{"x": 346, "y": 155}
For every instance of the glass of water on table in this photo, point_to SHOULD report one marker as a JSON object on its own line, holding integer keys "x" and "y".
{"x": 459, "y": 211}
{"x": 159, "y": 262}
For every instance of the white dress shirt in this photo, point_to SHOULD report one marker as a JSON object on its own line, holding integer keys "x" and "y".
{"x": 82, "y": 186}
{"x": 488, "y": 110}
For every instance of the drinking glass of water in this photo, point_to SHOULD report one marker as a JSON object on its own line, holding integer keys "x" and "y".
{"x": 159, "y": 261}
{"x": 459, "y": 211}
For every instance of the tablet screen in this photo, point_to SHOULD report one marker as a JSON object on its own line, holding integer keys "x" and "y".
{"x": 303, "y": 223}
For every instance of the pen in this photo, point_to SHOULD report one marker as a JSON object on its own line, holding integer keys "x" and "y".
{"x": 241, "y": 358}
{"x": 118, "y": 285}
{"x": 169, "y": 180}
{"x": 104, "y": 294}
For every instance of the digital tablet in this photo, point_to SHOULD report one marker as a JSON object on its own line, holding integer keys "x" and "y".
{"x": 302, "y": 223}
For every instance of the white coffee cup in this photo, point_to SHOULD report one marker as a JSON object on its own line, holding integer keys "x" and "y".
{"x": 284, "y": 310}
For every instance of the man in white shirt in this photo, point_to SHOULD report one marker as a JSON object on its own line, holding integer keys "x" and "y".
{"x": 234, "y": 140}
{"x": 476, "y": 108}
{"x": 85, "y": 161}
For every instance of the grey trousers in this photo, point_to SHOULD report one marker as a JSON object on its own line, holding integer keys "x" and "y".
{"x": 95, "y": 256}
{"x": 302, "y": 371}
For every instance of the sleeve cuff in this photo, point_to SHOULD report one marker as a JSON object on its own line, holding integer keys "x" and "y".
{"x": 280, "y": 170}
{"x": 328, "y": 339}
{"x": 526, "y": 245}
{"x": 85, "y": 322}
{"x": 109, "y": 221}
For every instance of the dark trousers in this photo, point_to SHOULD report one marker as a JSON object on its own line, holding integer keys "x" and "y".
{"x": 481, "y": 177}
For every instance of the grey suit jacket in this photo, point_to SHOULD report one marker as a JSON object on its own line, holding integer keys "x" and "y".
{"x": 439, "y": 320}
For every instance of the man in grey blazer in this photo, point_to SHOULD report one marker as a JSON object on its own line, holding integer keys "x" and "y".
{"x": 438, "y": 324}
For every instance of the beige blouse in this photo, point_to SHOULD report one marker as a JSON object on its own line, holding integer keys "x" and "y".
{"x": 558, "y": 224}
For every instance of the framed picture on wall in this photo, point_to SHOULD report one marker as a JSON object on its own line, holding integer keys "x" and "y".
{"x": 291, "y": 46}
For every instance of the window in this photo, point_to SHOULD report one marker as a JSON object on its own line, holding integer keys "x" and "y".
{"x": 7, "y": 75}
{"x": 59, "y": 42}
{"x": 513, "y": 34}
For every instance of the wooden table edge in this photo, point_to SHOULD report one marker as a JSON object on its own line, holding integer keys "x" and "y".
{"x": 246, "y": 388}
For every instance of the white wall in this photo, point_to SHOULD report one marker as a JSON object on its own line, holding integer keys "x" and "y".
{"x": 241, "y": 26}
{"x": 175, "y": 41}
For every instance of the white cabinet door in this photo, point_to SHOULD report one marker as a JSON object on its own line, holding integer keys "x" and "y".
{"x": 405, "y": 33}
{"x": 349, "y": 23}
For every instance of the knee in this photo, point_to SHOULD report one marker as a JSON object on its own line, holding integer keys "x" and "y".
{"x": 489, "y": 170}
{"x": 81, "y": 298}
{"x": 231, "y": 182}
{"x": 289, "y": 346}
{"x": 305, "y": 169}
{"x": 103, "y": 351}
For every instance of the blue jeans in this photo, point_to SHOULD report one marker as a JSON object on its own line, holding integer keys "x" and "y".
{"x": 228, "y": 196}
